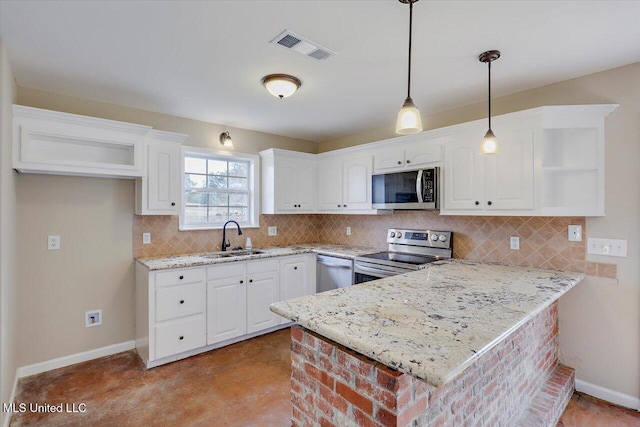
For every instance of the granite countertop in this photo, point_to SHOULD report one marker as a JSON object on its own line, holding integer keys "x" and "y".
{"x": 431, "y": 323}
{"x": 209, "y": 258}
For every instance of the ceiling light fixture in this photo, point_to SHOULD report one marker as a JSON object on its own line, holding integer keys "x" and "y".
{"x": 489, "y": 144}
{"x": 409, "y": 120}
{"x": 281, "y": 85}
{"x": 225, "y": 140}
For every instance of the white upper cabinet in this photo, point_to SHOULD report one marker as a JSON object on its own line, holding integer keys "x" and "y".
{"x": 159, "y": 192}
{"x": 407, "y": 153}
{"x": 551, "y": 163}
{"x": 58, "y": 143}
{"x": 474, "y": 182}
{"x": 288, "y": 182}
{"x": 344, "y": 183}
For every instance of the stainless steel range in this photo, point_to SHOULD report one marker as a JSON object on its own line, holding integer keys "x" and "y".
{"x": 408, "y": 251}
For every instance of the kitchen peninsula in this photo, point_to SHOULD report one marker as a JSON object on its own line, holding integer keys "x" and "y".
{"x": 458, "y": 343}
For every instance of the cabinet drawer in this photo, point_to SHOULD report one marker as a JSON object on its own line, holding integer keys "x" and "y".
{"x": 226, "y": 270}
{"x": 260, "y": 266}
{"x": 180, "y": 301}
{"x": 179, "y": 277}
{"x": 177, "y": 337}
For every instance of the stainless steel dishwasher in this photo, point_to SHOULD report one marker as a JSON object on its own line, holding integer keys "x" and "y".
{"x": 333, "y": 273}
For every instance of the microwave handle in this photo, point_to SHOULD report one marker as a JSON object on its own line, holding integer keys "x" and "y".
{"x": 419, "y": 186}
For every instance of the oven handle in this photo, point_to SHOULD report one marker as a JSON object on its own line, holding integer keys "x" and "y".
{"x": 381, "y": 273}
{"x": 419, "y": 186}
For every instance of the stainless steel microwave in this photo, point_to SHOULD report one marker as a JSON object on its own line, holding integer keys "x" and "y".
{"x": 416, "y": 189}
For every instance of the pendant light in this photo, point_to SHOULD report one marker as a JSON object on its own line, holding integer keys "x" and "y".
{"x": 409, "y": 120}
{"x": 489, "y": 144}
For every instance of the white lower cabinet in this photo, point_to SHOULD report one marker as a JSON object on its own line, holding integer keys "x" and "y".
{"x": 226, "y": 302}
{"x": 170, "y": 313}
{"x": 185, "y": 311}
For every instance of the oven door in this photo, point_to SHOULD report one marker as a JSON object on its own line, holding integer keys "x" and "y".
{"x": 367, "y": 272}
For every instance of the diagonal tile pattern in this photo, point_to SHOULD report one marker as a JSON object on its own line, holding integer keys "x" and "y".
{"x": 543, "y": 240}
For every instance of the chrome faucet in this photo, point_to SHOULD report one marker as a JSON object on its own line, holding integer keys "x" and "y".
{"x": 225, "y": 242}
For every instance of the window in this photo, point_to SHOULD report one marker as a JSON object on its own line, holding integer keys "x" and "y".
{"x": 218, "y": 186}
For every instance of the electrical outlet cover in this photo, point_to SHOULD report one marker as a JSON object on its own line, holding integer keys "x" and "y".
{"x": 514, "y": 243}
{"x": 272, "y": 231}
{"x": 53, "y": 243}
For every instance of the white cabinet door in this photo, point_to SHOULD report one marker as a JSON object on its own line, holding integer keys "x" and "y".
{"x": 509, "y": 176}
{"x": 263, "y": 290}
{"x": 294, "y": 278}
{"x": 296, "y": 184}
{"x": 357, "y": 183}
{"x": 163, "y": 178}
{"x": 286, "y": 190}
{"x": 388, "y": 158}
{"x": 330, "y": 185}
{"x": 463, "y": 178}
{"x": 305, "y": 181}
{"x": 226, "y": 308}
{"x": 422, "y": 153}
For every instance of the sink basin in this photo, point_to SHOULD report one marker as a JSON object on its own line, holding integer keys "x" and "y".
{"x": 230, "y": 254}
{"x": 215, "y": 256}
{"x": 243, "y": 253}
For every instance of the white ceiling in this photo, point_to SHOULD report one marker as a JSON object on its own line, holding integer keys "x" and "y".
{"x": 204, "y": 60}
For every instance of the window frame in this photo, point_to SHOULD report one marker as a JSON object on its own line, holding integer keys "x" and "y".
{"x": 253, "y": 182}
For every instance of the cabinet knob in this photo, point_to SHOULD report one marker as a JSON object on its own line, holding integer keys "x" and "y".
{"x": 181, "y": 337}
{"x": 489, "y": 203}
{"x": 250, "y": 280}
{"x": 339, "y": 206}
{"x": 344, "y": 206}
{"x": 181, "y": 277}
{"x": 477, "y": 203}
{"x": 295, "y": 268}
{"x": 241, "y": 281}
{"x": 181, "y": 301}
{"x": 399, "y": 162}
{"x": 408, "y": 161}
{"x": 173, "y": 203}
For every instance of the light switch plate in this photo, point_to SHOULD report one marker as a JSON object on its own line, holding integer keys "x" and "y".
{"x": 574, "y": 233}
{"x": 607, "y": 247}
{"x": 146, "y": 238}
{"x": 53, "y": 243}
{"x": 272, "y": 231}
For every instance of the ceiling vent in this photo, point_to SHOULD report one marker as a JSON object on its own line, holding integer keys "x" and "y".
{"x": 303, "y": 46}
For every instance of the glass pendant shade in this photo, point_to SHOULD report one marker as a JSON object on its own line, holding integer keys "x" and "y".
{"x": 281, "y": 85}
{"x": 409, "y": 120}
{"x": 489, "y": 144}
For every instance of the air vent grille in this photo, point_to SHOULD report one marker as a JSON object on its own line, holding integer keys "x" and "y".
{"x": 289, "y": 41}
{"x": 303, "y": 46}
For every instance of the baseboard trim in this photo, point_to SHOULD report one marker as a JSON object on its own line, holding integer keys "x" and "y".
{"x": 609, "y": 395}
{"x": 61, "y": 362}
{"x": 14, "y": 390}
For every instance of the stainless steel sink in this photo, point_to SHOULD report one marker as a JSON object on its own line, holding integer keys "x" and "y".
{"x": 244, "y": 253}
{"x": 218, "y": 255}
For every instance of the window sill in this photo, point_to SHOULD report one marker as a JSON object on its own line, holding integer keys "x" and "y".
{"x": 211, "y": 227}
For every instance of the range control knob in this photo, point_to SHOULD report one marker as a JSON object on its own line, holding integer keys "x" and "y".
{"x": 434, "y": 237}
{"x": 392, "y": 234}
{"x": 443, "y": 238}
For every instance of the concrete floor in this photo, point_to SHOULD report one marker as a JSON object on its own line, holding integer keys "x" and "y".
{"x": 245, "y": 384}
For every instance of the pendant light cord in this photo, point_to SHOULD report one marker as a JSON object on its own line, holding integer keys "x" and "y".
{"x": 410, "y": 32}
{"x": 489, "y": 95}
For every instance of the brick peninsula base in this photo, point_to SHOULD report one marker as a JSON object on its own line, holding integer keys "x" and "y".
{"x": 517, "y": 382}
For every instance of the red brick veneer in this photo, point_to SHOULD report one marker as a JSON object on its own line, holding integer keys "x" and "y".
{"x": 334, "y": 386}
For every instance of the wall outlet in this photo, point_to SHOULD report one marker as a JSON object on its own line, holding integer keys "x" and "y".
{"x": 92, "y": 318}
{"x": 348, "y": 231}
{"x": 146, "y": 238}
{"x": 607, "y": 247}
{"x": 575, "y": 233}
{"x": 272, "y": 231}
{"x": 53, "y": 243}
{"x": 515, "y": 243}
